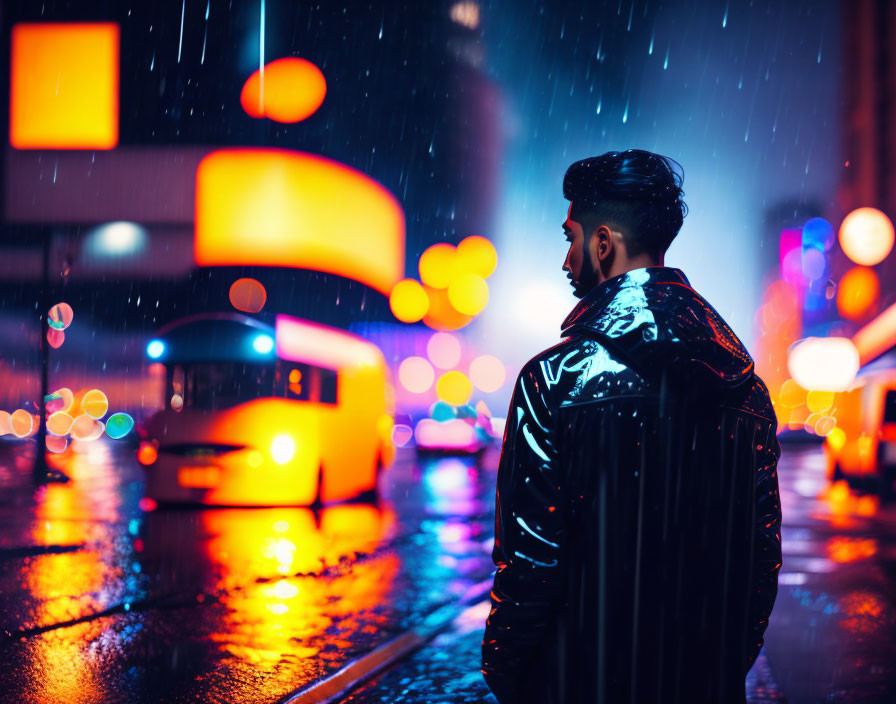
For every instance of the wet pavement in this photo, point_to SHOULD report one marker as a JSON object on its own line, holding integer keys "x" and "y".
{"x": 101, "y": 601}
{"x": 832, "y": 635}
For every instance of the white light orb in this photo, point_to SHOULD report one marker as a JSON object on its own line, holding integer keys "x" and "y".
{"x": 823, "y": 363}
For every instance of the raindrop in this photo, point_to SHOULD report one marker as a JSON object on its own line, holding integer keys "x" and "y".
{"x": 180, "y": 42}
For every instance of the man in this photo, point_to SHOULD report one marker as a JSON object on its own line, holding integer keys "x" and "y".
{"x": 638, "y": 518}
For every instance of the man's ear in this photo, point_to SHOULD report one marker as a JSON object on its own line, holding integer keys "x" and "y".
{"x": 601, "y": 244}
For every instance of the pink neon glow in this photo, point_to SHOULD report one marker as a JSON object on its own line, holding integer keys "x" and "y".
{"x": 312, "y": 343}
{"x": 449, "y": 435}
{"x": 790, "y": 253}
{"x": 443, "y": 350}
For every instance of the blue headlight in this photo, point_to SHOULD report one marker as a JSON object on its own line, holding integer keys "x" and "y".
{"x": 263, "y": 344}
{"x": 155, "y": 348}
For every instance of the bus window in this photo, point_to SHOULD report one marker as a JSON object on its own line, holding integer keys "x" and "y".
{"x": 306, "y": 382}
{"x": 218, "y": 385}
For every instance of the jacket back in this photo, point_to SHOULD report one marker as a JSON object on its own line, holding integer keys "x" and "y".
{"x": 638, "y": 518}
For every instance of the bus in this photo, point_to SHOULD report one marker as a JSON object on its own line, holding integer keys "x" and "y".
{"x": 862, "y": 448}
{"x": 294, "y": 414}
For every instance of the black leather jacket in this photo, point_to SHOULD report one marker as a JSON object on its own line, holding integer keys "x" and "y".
{"x": 638, "y": 517}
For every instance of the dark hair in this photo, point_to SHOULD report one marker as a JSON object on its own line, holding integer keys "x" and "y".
{"x": 637, "y": 191}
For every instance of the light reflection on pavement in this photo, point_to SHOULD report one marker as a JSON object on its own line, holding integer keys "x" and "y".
{"x": 102, "y": 602}
{"x": 832, "y": 635}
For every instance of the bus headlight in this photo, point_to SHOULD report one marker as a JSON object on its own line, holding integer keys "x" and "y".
{"x": 283, "y": 448}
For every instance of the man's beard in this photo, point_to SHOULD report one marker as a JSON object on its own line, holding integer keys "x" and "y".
{"x": 587, "y": 277}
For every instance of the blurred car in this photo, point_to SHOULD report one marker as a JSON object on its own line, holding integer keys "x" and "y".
{"x": 862, "y": 448}
{"x": 296, "y": 414}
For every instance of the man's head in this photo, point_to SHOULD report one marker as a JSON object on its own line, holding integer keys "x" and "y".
{"x": 625, "y": 210}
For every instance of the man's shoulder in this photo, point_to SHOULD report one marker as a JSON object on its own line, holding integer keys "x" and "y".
{"x": 561, "y": 353}
{"x": 558, "y": 366}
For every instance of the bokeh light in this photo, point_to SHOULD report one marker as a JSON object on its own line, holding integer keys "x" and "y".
{"x": 866, "y": 236}
{"x": 438, "y": 265}
{"x": 468, "y": 293}
{"x": 68, "y": 398}
{"x": 814, "y": 264}
{"x": 5, "y": 423}
{"x": 248, "y": 295}
{"x": 477, "y": 255}
{"x": 858, "y": 292}
{"x": 54, "y": 402}
{"x": 61, "y": 316}
{"x": 819, "y": 234}
{"x": 95, "y": 404}
{"x": 118, "y": 425}
{"x": 147, "y": 453}
{"x": 442, "y": 411}
{"x": 402, "y": 434}
{"x": 824, "y": 363}
{"x": 293, "y": 90}
{"x": 825, "y": 425}
{"x": 818, "y": 401}
{"x": 487, "y": 373}
{"x": 22, "y": 423}
{"x": 416, "y": 374}
{"x": 60, "y": 423}
{"x": 441, "y": 314}
{"x": 155, "y": 348}
{"x": 177, "y": 402}
{"x": 55, "y": 338}
{"x": 791, "y": 394}
{"x": 443, "y": 350}
{"x": 454, "y": 387}
{"x": 836, "y": 439}
{"x": 408, "y": 301}
{"x": 86, "y": 428}
{"x": 56, "y": 444}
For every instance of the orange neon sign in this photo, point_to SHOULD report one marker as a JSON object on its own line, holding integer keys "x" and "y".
{"x": 273, "y": 207}
{"x": 64, "y": 82}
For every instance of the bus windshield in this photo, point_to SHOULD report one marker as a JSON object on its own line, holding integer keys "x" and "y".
{"x": 215, "y": 385}
{"x": 220, "y": 385}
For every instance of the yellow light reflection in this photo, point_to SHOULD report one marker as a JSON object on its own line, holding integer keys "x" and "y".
{"x": 69, "y": 582}
{"x": 286, "y": 577}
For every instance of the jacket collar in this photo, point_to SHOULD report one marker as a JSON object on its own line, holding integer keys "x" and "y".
{"x": 598, "y": 297}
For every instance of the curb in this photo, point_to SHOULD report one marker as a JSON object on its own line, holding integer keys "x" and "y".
{"x": 334, "y": 687}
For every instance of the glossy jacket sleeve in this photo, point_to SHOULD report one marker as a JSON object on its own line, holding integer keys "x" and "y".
{"x": 766, "y": 546}
{"x": 529, "y": 534}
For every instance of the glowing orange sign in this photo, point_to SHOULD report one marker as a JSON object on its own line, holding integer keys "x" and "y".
{"x": 64, "y": 86}
{"x": 279, "y": 208}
